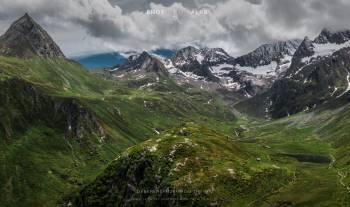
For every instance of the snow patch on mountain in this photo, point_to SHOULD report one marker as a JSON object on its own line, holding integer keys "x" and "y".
{"x": 229, "y": 83}
{"x": 348, "y": 88}
{"x": 269, "y": 69}
{"x": 286, "y": 61}
{"x": 187, "y": 74}
{"x": 199, "y": 58}
{"x": 221, "y": 69}
{"x": 325, "y": 50}
{"x": 208, "y": 68}
{"x": 269, "y": 59}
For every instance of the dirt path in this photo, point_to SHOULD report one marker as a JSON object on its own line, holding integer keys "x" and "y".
{"x": 340, "y": 174}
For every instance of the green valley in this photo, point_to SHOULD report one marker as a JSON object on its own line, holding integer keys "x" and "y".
{"x": 279, "y": 163}
{"x": 60, "y": 125}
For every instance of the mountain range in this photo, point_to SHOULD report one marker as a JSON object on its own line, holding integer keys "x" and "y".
{"x": 195, "y": 127}
{"x": 112, "y": 59}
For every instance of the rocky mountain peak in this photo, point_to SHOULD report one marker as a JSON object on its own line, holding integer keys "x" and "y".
{"x": 188, "y": 51}
{"x": 25, "y": 38}
{"x": 22, "y": 24}
{"x": 216, "y": 50}
{"x": 145, "y": 55}
{"x": 216, "y": 55}
{"x": 192, "y": 55}
{"x": 328, "y": 36}
{"x": 185, "y": 55}
{"x": 267, "y": 53}
{"x": 305, "y": 49}
{"x": 144, "y": 62}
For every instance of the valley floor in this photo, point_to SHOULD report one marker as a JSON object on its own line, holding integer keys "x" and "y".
{"x": 318, "y": 180}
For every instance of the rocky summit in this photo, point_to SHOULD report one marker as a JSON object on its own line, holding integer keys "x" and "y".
{"x": 25, "y": 38}
{"x": 145, "y": 62}
{"x": 269, "y": 59}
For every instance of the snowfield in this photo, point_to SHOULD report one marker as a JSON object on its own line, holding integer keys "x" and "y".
{"x": 324, "y": 50}
{"x": 261, "y": 70}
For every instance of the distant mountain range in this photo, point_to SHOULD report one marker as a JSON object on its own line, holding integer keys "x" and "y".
{"x": 112, "y": 59}
{"x": 102, "y": 60}
{"x": 214, "y": 69}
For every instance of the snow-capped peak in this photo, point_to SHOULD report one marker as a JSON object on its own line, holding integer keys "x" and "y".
{"x": 186, "y": 56}
{"x": 323, "y": 45}
{"x": 269, "y": 59}
{"x": 216, "y": 56}
{"x": 191, "y": 55}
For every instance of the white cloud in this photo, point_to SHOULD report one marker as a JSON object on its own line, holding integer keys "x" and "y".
{"x": 236, "y": 25}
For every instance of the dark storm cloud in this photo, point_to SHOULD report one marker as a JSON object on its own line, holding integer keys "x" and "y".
{"x": 236, "y": 25}
{"x": 100, "y": 26}
{"x": 287, "y": 12}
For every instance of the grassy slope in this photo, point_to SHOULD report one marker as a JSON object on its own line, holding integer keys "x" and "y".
{"x": 40, "y": 164}
{"x": 322, "y": 134}
{"x": 208, "y": 166}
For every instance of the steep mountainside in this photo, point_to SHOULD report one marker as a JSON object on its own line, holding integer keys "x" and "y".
{"x": 269, "y": 59}
{"x": 318, "y": 76}
{"x": 319, "y": 73}
{"x": 26, "y": 38}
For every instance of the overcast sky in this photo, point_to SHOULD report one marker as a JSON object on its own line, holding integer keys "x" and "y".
{"x": 238, "y": 26}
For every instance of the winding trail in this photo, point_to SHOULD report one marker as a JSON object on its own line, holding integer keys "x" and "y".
{"x": 341, "y": 175}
